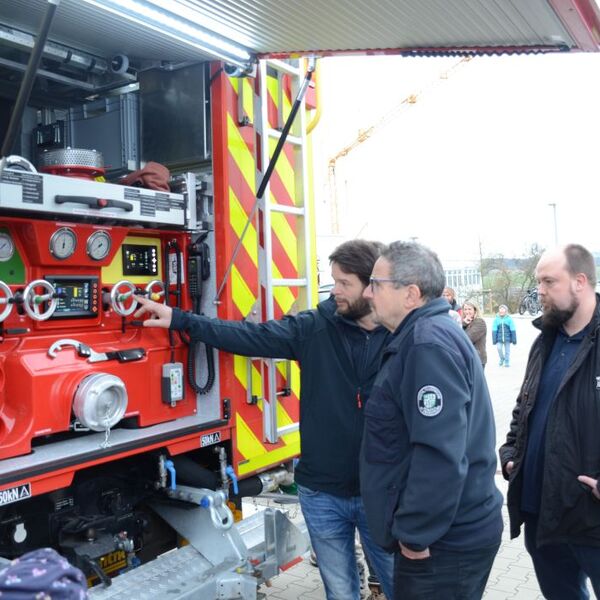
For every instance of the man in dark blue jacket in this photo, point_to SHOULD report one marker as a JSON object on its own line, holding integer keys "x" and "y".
{"x": 339, "y": 347}
{"x": 428, "y": 460}
{"x": 551, "y": 457}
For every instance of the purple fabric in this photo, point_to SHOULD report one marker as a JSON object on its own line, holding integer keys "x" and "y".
{"x": 42, "y": 575}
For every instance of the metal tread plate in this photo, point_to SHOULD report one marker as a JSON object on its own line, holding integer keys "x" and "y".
{"x": 177, "y": 574}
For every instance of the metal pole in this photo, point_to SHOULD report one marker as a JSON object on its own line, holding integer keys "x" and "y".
{"x": 553, "y": 205}
{"x": 28, "y": 80}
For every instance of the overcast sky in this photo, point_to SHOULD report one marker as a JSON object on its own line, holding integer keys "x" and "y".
{"x": 478, "y": 157}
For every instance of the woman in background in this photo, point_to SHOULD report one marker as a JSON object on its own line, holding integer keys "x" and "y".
{"x": 475, "y": 328}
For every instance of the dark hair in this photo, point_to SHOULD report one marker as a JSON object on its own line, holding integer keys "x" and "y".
{"x": 415, "y": 264}
{"x": 357, "y": 257}
{"x": 580, "y": 260}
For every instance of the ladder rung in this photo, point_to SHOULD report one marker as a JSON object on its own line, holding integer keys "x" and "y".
{"x": 290, "y": 210}
{"x": 291, "y": 428}
{"x": 289, "y": 282}
{"x": 284, "y": 67}
{"x": 292, "y": 139}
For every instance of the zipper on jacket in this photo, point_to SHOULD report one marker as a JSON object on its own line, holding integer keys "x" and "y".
{"x": 358, "y": 399}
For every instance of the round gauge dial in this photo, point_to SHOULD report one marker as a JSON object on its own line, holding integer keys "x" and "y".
{"x": 98, "y": 245}
{"x": 63, "y": 243}
{"x": 7, "y": 247}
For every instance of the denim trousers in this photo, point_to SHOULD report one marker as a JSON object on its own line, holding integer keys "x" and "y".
{"x": 445, "y": 575}
{"x": 332, "y": 522}
{"x": 562, "y": 569}
{"x": 503, "y": 351}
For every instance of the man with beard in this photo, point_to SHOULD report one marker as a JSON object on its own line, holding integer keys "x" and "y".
{"x": 552, "y": 456}
{"x": 338, "y": 346}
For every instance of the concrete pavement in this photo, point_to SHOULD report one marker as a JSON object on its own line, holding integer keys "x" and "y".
{"x": 512, "y": 576}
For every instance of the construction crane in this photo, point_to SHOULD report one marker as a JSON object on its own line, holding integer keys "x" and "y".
{"x": 365, "y": 134}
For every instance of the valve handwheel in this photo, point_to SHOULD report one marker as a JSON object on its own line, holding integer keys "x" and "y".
{"x": 33, "y": 301}
{"x": 6, "y": 297}
{"x": 155, "y": 290}
{"x": 122, "y": 297}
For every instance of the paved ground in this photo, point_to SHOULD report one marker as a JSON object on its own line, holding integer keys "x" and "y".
{"x": 512, "y": 576}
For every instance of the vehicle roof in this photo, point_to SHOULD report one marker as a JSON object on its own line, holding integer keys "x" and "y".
{"x": 275, "y": 28}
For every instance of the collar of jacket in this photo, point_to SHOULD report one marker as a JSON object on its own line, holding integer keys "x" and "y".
{"x": 439, "y": 306}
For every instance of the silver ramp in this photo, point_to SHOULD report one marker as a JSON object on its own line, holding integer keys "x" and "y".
{"x": 183, "y": 574}
{"x": 231, "y": 565}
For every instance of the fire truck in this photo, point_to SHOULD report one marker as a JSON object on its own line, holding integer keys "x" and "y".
{"x": 162, "y": 149}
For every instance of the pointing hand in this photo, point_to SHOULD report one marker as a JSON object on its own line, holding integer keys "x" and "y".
{"x": 160, "y": 314}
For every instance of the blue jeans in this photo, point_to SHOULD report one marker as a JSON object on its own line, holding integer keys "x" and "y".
{"x": 503, "y": 352}
{"x": 332, "y": 522}
{"x": 445, "y": 575}
{"x": 562, "y": 569}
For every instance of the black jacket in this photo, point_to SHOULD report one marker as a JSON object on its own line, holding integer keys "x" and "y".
{"x": 338, "y": 362}
{"x": 568, "y": 511}
{"x": 428, "y": 458}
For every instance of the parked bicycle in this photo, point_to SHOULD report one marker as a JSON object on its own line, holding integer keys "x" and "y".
{"x": 530, "y": 303}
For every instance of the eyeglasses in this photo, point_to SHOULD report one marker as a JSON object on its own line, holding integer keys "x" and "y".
{"x": 375, "y": 282}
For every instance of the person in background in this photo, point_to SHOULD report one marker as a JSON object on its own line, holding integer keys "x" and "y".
{"x": 428, "y": 456}
{"x": 551, "y": 457}
{"x": 475, "y": 328}
{"x": 450, "y": 296}
{"x": 339, "y": 347}
{"x": 503, "y": 334}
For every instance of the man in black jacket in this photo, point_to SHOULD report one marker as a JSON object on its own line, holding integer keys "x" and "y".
{"x": 552, "y": 452}
{"x": 428, "y": 459}
{"x": 338, "y": 346}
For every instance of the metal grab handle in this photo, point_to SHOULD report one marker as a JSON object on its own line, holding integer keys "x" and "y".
{"x": 93, "y": 202}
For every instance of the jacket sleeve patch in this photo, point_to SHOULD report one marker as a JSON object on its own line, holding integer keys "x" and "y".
{"x": 430, "y": 401}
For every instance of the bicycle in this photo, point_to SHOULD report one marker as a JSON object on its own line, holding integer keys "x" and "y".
{"x": 530, "y": 303}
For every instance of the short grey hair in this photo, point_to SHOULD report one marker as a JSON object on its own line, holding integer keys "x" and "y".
{"x": 412, "y": 263}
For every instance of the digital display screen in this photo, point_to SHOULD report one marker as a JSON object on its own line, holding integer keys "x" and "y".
{"x": 140, "y": 260}
{"x": 78, "y": 297}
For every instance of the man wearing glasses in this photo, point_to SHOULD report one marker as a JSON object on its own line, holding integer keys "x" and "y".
{"x": 428, "y": 455}
{"x": 339, "y": 347}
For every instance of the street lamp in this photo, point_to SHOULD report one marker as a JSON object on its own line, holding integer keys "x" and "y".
{"x": 553, "y": 205}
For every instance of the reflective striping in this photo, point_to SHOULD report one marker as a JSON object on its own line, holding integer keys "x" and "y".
{"x": 286, "y": 236}
{"x": 245, "y": 287}
{"x": 241, "y": 154}
{"x": 282, "y": 295}
{"x": 295, "y": 375}
{"x": 238, "y": 218}
{"x": 249, "y": 98}
{"x": 249, "y": 445}
{"x": 243, "y": 297}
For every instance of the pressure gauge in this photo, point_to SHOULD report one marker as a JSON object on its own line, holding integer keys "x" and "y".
{"x": 7, "y": 247}
{"x": 63, "y": 243}
{"x": 98, "y": 245}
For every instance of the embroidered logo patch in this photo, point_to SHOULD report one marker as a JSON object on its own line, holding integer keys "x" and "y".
{"x": 598, "y": 383}
{"x": 430, "y": 401}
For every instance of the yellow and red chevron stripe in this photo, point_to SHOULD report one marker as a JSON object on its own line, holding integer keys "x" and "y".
{"x": 235, "y": 168}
